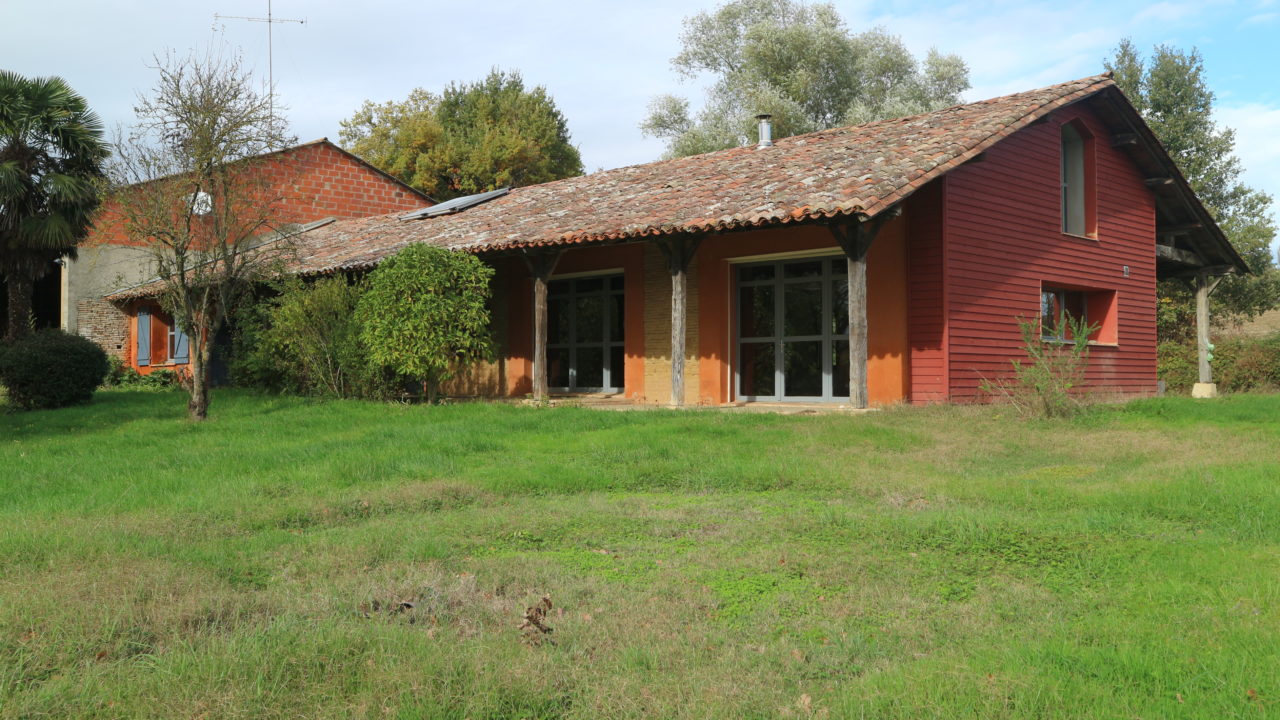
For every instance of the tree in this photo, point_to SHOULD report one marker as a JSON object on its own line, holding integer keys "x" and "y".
{"x": 193, "y": 192}
{"x": 426, "y": 315}
{"x": 799, "y": 63}
{"x": 51, "y": 165}
{"x": 1170, "y": 92}
{"x": 472, "y": 138}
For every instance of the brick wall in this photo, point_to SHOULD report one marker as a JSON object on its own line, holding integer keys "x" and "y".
{"x": 314, "y": 181}
{"x": 105, "y": 324}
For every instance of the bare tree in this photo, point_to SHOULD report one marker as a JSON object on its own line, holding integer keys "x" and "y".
{"x": 194, "y": 189}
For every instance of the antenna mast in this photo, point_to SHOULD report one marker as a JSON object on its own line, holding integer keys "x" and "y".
{"x": 269, "y": 20}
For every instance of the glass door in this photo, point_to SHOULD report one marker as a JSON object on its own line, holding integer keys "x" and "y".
{"x": 585, "y": 321}
{"x": 793, "y": 334}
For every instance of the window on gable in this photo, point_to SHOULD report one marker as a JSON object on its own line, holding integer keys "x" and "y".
{"x": 1078, "y": 193}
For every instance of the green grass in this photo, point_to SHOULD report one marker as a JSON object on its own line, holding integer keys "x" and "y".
{"x": 940, "y": 562}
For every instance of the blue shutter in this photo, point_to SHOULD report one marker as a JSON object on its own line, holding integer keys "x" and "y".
{"x": 180, "y": 352}
{"x": 144, "y": 337}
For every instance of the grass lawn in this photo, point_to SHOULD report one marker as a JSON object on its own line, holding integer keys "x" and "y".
{"x": 944, "y": 562}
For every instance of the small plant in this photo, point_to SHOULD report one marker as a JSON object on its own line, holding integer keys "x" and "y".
{"x": 1048, "y": 383}
{"x": 51, "y": 369}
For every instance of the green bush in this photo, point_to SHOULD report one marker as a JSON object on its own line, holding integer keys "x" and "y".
{"x": 121, "y": 376}
{"x": 425, "y": 315}
{"x": 306, "y": 340}
{"x": 1239, "y": 364}
{"x": 1049, "y": 383}
{"x": 51, "y": 369}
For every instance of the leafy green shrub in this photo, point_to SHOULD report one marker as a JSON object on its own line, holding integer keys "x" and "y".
{"x": 426, "y": 315}
{"x": 306, "y": 340}
{"x": 51, "y": 369}
{"x": 1049, "y": 382}
{"x": 1177, "y": 365}
{"x": 121, "y": 376}
{"x": 1239, "y": 364}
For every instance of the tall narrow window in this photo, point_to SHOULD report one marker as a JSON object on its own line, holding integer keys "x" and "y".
{"x": 1077, "y": 182}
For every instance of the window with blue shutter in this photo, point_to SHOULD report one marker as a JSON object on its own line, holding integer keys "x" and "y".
{"x": 144, "y": 337}
{"x": 178, "y": 345}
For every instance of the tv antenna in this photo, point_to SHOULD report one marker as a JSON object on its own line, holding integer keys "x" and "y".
{"x": 270, "y": 20}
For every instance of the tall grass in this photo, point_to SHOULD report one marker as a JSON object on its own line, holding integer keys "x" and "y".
{"x": 293, "y": 558}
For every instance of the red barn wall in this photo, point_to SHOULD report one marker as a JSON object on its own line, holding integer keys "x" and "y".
{"x": 926, "y": 309}
{"x": 1002, "y": 241}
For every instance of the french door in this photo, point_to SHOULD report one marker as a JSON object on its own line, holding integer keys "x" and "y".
{"x": 793, "y": 330}
{"x": 585, "y": 321}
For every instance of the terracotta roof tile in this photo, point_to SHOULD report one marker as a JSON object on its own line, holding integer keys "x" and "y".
{"x": 859, "y": 170}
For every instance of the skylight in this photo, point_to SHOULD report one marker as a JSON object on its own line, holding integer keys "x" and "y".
{"x": 456, "y": 205}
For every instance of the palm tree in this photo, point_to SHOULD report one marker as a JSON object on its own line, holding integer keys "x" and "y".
{"x": 51, "y": 162}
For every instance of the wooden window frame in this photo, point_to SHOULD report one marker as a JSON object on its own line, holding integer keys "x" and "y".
{"x": 1078, "y": 180}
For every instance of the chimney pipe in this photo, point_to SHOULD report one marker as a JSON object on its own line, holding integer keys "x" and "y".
{"x": 766, "y": 130}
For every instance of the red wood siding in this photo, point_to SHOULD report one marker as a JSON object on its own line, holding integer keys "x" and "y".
{"x": 926, "y": 317}
{"x": 1003, "y": 242}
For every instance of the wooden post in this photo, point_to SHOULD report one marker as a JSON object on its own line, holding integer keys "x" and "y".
{"x": 855, "y": 239}
{"x": 541, "y": 265}
{"x": 679, "y": 253}
{"x": 1205, "y": 285}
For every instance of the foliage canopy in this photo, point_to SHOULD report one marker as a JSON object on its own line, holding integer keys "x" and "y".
{"x": 472, "y": 138}
{"x": 426, "y": 314}
{"x": 1170, "y": 91}
{"x": 52, "y": 153}
{"x": 799, "y": 63}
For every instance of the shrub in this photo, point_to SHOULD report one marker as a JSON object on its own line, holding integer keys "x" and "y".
{"x": 1239, "y": 364}
{"x": 1049, "y": 382}
{"x": 306, "y": 340}
{"x": 51, "y": 369}
{"x": 425, "y": 315}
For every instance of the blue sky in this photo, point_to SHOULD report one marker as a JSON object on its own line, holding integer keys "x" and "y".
{"x": 603, "y": 61}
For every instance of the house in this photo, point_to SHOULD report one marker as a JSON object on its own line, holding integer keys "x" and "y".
{"x": 316, "y": 179}
{"x": 885, "y": 263}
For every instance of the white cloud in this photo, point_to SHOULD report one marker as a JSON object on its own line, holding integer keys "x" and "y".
{"x": 1257, "y": 127}
{"x": 1260, "y": 19}
{"x": 1167, "y": 12}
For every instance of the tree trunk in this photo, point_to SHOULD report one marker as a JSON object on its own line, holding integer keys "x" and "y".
{"x": 198, "y": 405}
{"x": 20, "y": 290}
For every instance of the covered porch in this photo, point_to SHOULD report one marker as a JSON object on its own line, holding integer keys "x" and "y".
{"x": 809, "y": 314}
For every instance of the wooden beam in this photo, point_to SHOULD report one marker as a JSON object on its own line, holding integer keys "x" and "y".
{"x": 1124, "y": 140}
{"x": 679, "y": 252}
{"x": 1178, "y": 229}
{"x": 855, "y": 239}
{"x": 1156, "y": 182}
{"x": 541, "y": 265}
{"x": 1168, "y": 252}
{"x": 1203, "y": 289}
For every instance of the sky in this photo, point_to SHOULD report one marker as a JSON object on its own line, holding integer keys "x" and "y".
{"x": 603, "y": 61}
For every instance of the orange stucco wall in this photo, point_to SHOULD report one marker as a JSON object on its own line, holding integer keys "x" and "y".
{"x": 519, "y": 350}
{"x": 887, "y": 360}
